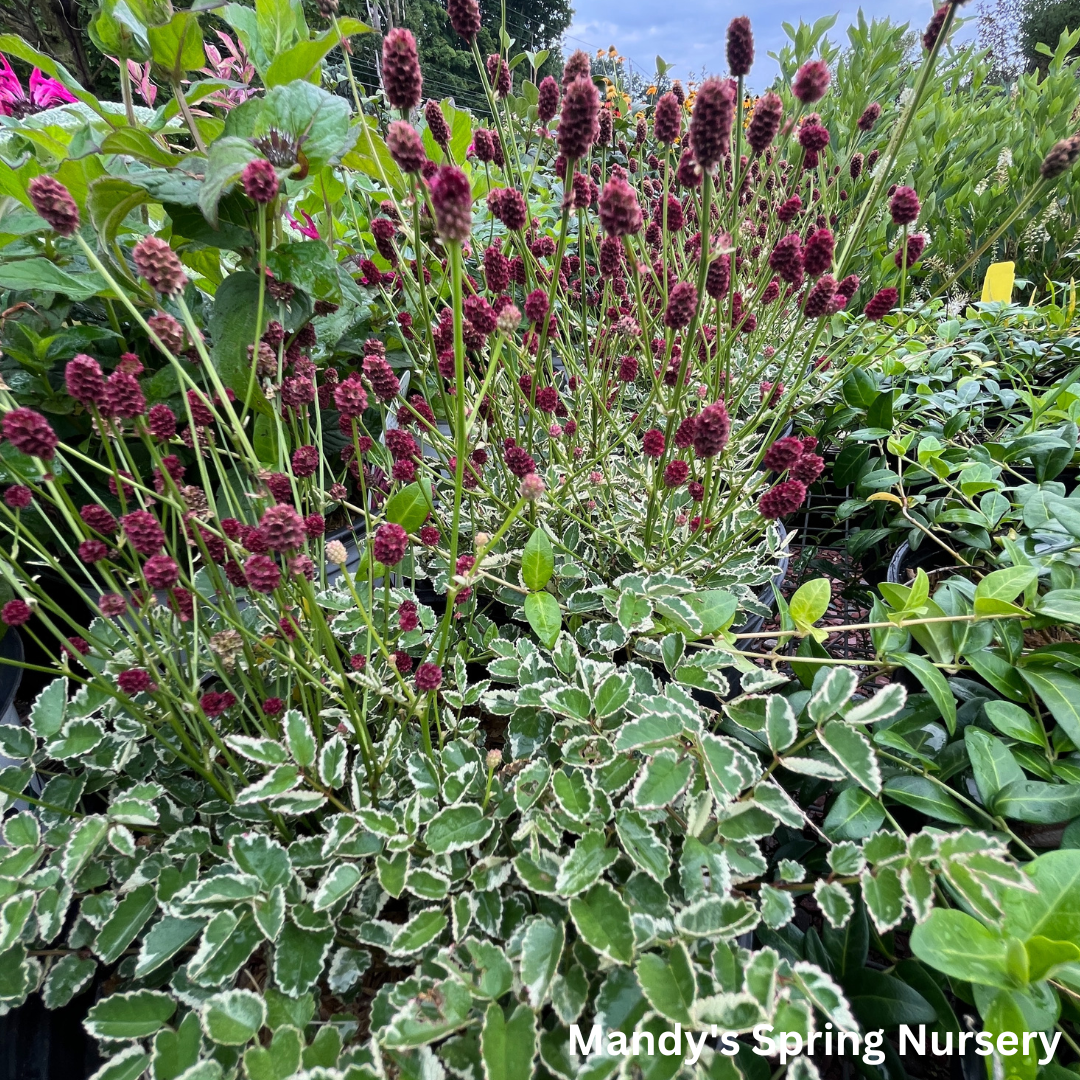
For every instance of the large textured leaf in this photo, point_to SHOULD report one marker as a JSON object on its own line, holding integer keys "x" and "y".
{"x": 545, "y": 617}
{"x": 603, "y": 920}
{"x": 959, "y": 945}
{"x": 668, "y": 983}
{"x": 589, "y": 859}
{"x": 456, "y": 828}
{"x": 508, "y": 1047}
{"x": 234, "y": 1017}
{"x": 130, "y": 1016}
{"x": 537, "y": 561}
{"x": 853, "y": 753}
{"x": 541, "y": 948}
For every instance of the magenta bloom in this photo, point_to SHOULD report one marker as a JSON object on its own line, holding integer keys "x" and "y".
{"x": 904, "y": 206}
{"x": 811, "y": 81}
{"x": 391, "y": 540}
{"x": 652, "y": 443}
{"x": 308, "y": 229}
{"x": 785, "y": 498}
{"x": 451, "y": 198}
{"x": 620, "y": 214}
{"x": 16, "y": 613}
{"x": 783, "y": 454}
{"x": 45, "y": 93}
{"x": 881, "y": 304}
{"x": 428, "y": 677}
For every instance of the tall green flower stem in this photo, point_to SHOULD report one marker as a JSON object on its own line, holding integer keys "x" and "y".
{"x": 689, "y": 344}
{"x": 461, "y": 439}
{"x": 883, "y": 170}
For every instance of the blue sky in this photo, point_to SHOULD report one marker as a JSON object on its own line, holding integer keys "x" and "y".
{"x": 690, "y": 33}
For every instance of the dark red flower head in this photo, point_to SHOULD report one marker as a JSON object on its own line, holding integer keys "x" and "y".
{"x": 740, "y": 46}
{"x": 16, "y": 613}
{"x": 869, "y": 116}
{"x": 259, "y": 181}
{"x": 498, "y": 71}
{"x": 904, "y": 206}
{"x": 402, "y": 80}
{"x": 667, "y": 119}
{"x": 579, "y": 124}
{"x": 437, "y": 125}
{"x": 428, "y": 677}
{"x": 710, "y": 122}
{"x": 783, "y": 454}
{"x": 30, "y": 433}
{"x": 85, "y": 380}
{"x": 682, "y": 303}
{"x": 620, "y": 214}
{"x": 54, "y": 203}
{"x": 464, "y": 17}
{"x": 451, "y": 198}
{"x": 820, "y": 298}
{"x": 390, "y": 544}
{"x": 818, "y": 252}
{"x": 811, "y": 81}
{"x": 933, "y": 28}
{"x": 159, "y": 265}
{"x": 785, "y": 498}
{"x": 764, "y": 122}
{"x": 712, "y": 429}
{"x": 578, "y": 66}
{"x": 547, "y": 104}
{"x": 916, "y": 245}
{"x": 652, "y": 443}
{"x": 881, "y": 304}
{"x": 406, "y": 147}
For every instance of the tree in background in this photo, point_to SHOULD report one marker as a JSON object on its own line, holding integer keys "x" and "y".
{"x": 1013, "y": 30}
{"x": 446, "y": 59}
{"x": 56, "y": 27}
{"x": 1042, "y": 23}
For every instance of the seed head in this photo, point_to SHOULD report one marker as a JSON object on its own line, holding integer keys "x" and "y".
{"x": 54, "y": 203}
{"x": 402, "y": 80}
{"x": 451, "y": 198}
{"x": 620, "y": 214}
{"x": 710, "y": 122}
{"x": 740, "y": 46}
{"x": 764, "y": 122}
{"x": 159, "y": 266}
{"x": 259, "y": 180}
{"x": 579, "y": 125}
{"x": 811, "y": 81}
{"x": 464, "y": 17}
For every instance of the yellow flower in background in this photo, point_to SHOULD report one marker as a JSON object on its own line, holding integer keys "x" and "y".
{"x": 651, "y": 91}
{"x": 612, "y": 51}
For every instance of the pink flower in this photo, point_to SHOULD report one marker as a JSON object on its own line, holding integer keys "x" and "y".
{"x": 308, "y": 229}
{"x": 44, "y": 92}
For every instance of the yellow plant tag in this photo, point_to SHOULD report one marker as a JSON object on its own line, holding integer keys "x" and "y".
{"x": 998, "y": 283}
